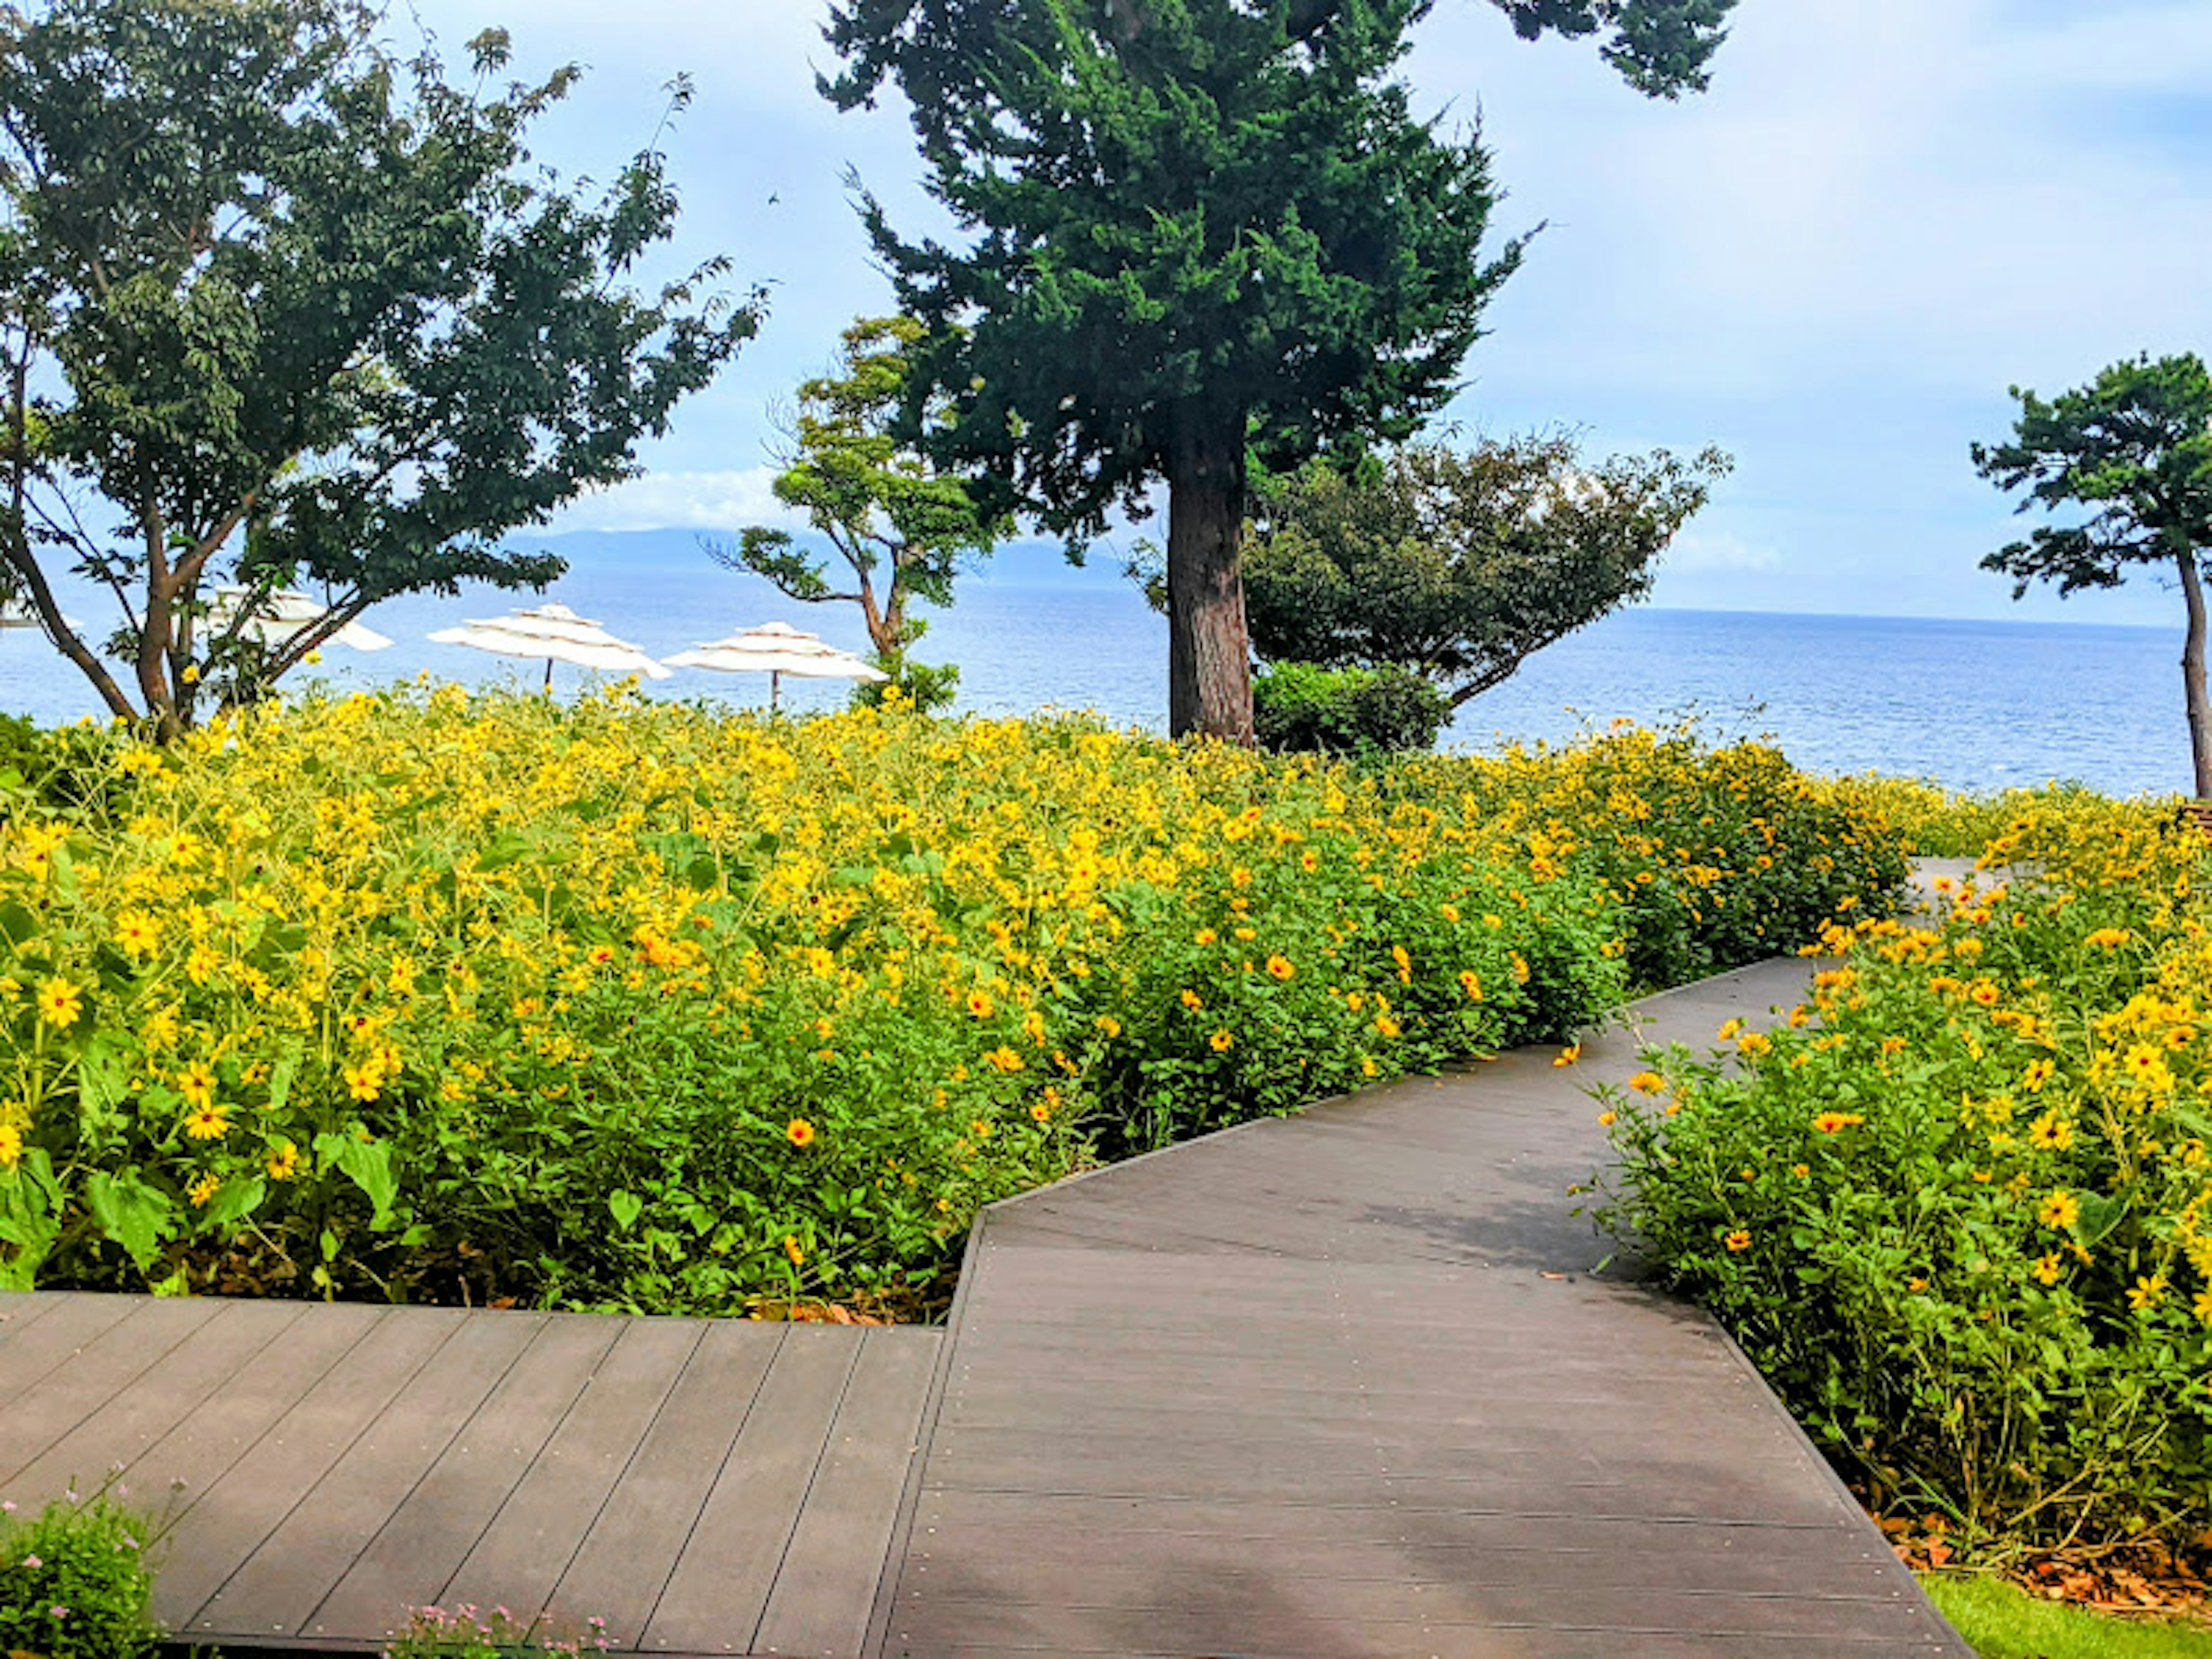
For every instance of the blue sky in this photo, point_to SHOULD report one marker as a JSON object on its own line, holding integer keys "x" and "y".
{"x": 1834, "y": 265}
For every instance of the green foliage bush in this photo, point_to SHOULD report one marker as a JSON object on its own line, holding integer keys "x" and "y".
{"x": 1956, "y": 1208}
{"x": 75, "y": 1582}
{"x": 425, "y": 995}
{"x": 1346, "y": 711}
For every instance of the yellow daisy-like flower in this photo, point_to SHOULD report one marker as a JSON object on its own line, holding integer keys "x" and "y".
{"x": 1108, "y": 1026}
{"x": 1471, "y": 982}
{"x": 208, "y": 1122}
{"x": 11, "y": 1145}
{"x": 1367, "y": 1066}
{"x": 1192, "y": 1000}
{"x": 2039, "y": 1072}
{"x": 1385, "y": 1026}
{"x": 283, "y": 1163}
{"x": 196, "y": 1084}
{"x": 1834, "y": 1122}
{"x": 2051, "y": 1133}
{"x": 2147, "y": 1293}
{"x": 203, "y": 1189}
{"x": 1647, "y": 1082}
{"x": 1738, "y": 1240}
{"x": 1280, "y": 968}
{"x": 138, "y": 934}
{"x": 1006, "y": 1059}
{"x": 2046, "y": 1268}
{"x": 1204, "y": 936}
{"x": 2061, "y": 1210}
{"x": 1521, "y": 975}
{"x": 1607, "y": 1120}
{"x": 60, "y": 1002}
{"x": 2107, "y": 937}
{"x": 1568, "y": 1055}
{"x": 799, "y": 1132}
{"x": 1221, "y": 1042}
{"x": 980, "y": 1005}
{"x": 2203, "y": 1306}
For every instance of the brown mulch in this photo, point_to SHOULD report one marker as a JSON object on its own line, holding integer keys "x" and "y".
{"x": 2146, "y": 1578}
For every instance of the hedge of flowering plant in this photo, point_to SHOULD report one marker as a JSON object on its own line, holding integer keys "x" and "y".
{"x": 642, "y": 1006}
{"x": 1959, "y": 1207}
{"x": 75, "y": 1582}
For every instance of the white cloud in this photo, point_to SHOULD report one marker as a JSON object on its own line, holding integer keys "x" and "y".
{"x": 1705, "y": 551}
{"x": 682, "y": 501}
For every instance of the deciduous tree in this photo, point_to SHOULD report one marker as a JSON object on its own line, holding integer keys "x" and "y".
{"x": 2129, "y": 458}
{"x": 1202, "y": 230}
{"x": 900, "y": 527}
{"x": 1458, "y": 565}
{"x": 279, "y": 306}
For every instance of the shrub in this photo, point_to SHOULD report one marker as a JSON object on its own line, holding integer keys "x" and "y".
{"x": 469, "y": 1632}
{"x": 74, "y": 1583}
{"x": 1346, "y": 711}
{"x": 1960, "y": 1207}
{"x": 423, "y": 995}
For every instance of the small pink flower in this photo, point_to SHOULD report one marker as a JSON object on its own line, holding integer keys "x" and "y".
{"x": 58, "y": 1612}
{"x": 32, "y": 1563}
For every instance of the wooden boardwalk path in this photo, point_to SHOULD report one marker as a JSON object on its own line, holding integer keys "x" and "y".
{"x": 708, "y": 1487}
{"x": 1342, "y": 1386}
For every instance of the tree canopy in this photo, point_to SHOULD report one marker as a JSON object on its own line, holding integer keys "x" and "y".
{"x": 279, "y": 306}
{"x": 900, "y": 527}
{"x": 2133, "y": 448}
{"x": 1458, "y": 565}
{"x": 1201, "y": 230}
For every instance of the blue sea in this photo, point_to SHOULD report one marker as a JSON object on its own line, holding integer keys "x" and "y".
{"x": 1973, "y": 705}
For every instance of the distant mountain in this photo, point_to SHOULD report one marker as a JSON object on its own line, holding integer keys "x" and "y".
{"x": 1031, "y": 563}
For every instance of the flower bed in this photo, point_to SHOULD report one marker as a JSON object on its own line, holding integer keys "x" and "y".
{"x": 1958, "y": 1208}
{"x": 635, "y": 1006}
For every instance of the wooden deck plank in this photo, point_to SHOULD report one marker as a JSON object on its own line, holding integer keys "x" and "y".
{"x": 819, "y": 1606}
{"x": 416, "y": 1553}
{"x": 1340, "y": 1385}
{"x": 530, "y": 1543}
{"x": 720, "y": 1586}
{"x": 163, "y": 1396}
{"x": 231, "y": 1517}
{"x": 626, "y": 1558}
{"x": 277, "y": 1587}
{"x": 20, "y": 1308}
{"x": 46, "y": 1411}
{"x": 27, "y": 1355}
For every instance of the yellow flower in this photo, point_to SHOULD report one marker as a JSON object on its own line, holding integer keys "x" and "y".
{"x": 2039, "y": 1072}
{"x": 1834, "y": 1122}
{"x": 2203, "y": 1306}
{"x": 1204, "y": 936}
{"x": 2108, "y": 938}
{"x": 790, "y": 1247}
{"x": 203, "y": 1189}
{"x": 1006, "y": 1059}
{"x": 2046, "y": 1268}
{"x": 1109, "y": 1026}
{"x": 196, "y": 1084}
{"x": 1471, "y": 982}
{"x": 208, "y": 1122}
{"x": 1221, "y": 1042}
{"x": 799, "y": 1132}
{"x": 1280, "y": 968}
{"x": 2060, "y": 1211}
{"x": 1385, "y": 1026}
{"x": 11, "y": 1145}
{"x": 1738, "y": 1240}
{"x": 1191, "y": 999}
{"x": 1568, "y": 1055}
{"x": 1367, "y": 1066}
{"x": 2147, "y": 1293}
{"x": 1729, "y": 1031}
{"x": 1647, "y": 1082}
{"x": 1519, "y": 968}
{"x": 2051, "y": 1133}
{"x": 135, "y": 932}
{"x": 283, "y": 1163}
{"x": 60, "y": 1002}
{"x": 980, "y": 1005}
{"x": 1607, "y": 1120}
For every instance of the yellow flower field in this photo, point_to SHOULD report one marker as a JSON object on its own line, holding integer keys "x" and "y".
{"x": 432, "y": 996}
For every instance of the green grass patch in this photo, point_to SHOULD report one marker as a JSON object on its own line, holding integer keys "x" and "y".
{"x": 2002, "y": 1621}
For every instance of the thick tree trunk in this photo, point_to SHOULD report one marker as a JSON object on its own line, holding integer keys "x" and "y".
{"x": 1209, "y": 653}
{"x": 2192, "y": 674}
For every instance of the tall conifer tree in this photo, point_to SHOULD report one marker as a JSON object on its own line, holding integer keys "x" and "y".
{"x": 1205, "y": 231}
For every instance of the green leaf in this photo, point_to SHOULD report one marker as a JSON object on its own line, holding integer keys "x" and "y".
{"x": 238, "y": 1196}
{"x": 137, "y": 1216}
{"x": 625, "y": 1208}
{"x": 2099, "y": 1215}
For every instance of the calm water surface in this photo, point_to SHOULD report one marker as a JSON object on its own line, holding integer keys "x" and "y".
{"x": 1973, "y": 705}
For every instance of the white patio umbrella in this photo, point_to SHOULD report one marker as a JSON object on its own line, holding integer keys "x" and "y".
{"x": 282, "y": 616}
{"x": 776, "y": 649}
{"x": 556, "y": 634}
{"x": 18, "y": 613}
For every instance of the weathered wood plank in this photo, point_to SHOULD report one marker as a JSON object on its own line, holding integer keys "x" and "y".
{"x": 29, "y": 1354}
{"x": 47, "y": 1411}
{"x": 252, "y": 1497}
{"x": 820, "y": 1603}
{"x": 416, "y": 1553}
{"x": 277, "y": 1587}
{"x": 634, "y": 1544}
{"x": 715, "y": 1596}
{"x": 530, "y": 1543}
{"x": 168, "y": 1391}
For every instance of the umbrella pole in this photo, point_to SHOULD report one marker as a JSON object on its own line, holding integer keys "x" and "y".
{"x": 549, "y": 677}
{"x": 774, "y": 684}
